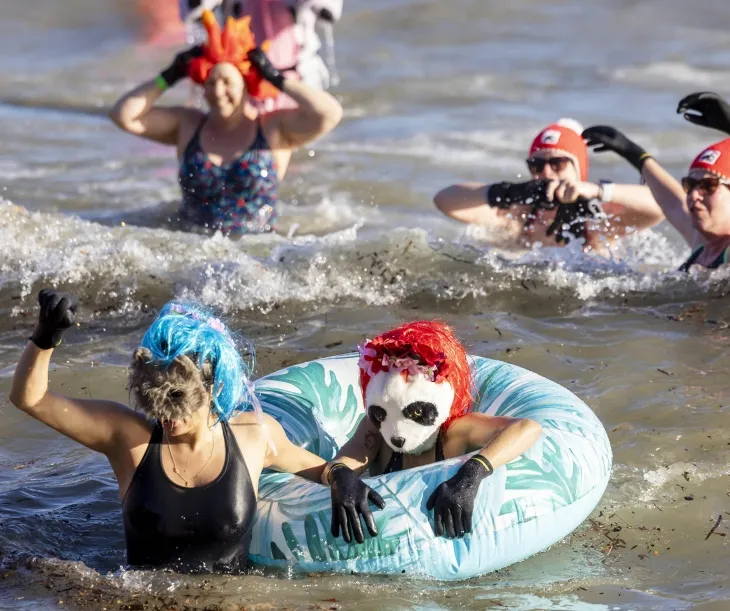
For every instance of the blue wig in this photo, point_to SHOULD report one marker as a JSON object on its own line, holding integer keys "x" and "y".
{"x": 187, "y": 329}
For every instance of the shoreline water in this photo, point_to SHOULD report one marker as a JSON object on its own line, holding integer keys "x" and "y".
{"x": 434, "y": 93}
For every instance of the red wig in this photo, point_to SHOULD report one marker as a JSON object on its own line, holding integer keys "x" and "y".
{"x": 433, "y": 345}
{"x": 231, "y": 45}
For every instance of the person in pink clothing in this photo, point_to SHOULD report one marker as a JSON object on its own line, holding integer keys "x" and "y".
{"x": 289, "y": 26}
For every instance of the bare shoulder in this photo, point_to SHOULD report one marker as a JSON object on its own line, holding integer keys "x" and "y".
{"x": 244, "y": 420}
{"x": 465, "y": 426}
{"x": 272, "y": 119}
{"x": 187, "y": 114}
{"x": 132, "y": 427}
{"x": 271, "y": 124}
{"x": 249, "y": 423}
{"x": 472, "y": 419}
{"x": 184, "y": 115}
{"x": 190, "y": 119}
{"x": 251, "y": 418}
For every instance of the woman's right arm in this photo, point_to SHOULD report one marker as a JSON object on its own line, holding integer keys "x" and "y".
{"x": 136, "y": 113}
{"x": 93, "y": 423}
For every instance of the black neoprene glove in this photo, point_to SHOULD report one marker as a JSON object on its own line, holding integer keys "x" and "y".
{"x": 570, "y": 220}
{"x": 453, "y": 500}
{"x": 531, "y": 193}
{"x": 606, "y": 138}
{"x": 266, "y": 69}
{"x": 707, "y": 109}
{"x": 178, "y": 69}
{"x": 58, "y": 313}
{"x": 350, "y": 497}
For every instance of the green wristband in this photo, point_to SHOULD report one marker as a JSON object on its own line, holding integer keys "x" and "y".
{"x": 161, "y": 82}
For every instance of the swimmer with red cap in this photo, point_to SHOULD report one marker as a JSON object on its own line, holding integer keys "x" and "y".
{"x": 558, "y": 203}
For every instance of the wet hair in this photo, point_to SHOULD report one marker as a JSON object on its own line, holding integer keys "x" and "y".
{"x": 184, "y": 334}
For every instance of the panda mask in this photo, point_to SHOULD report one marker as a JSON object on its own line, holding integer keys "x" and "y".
{"x": 408, "y": 409}
{"x": 415, "y": 380}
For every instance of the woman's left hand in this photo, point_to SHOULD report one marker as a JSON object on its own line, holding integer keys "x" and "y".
{"x": 266, "y": 69}
{"x": 453, "y": 500}
{"x": 178, "y": 69}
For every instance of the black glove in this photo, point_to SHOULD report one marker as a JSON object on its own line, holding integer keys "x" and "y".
{"x": 606, "y": 138}
{"x": 58, "y": 313}
{"x": 178, "y": 69}
{"x": 453, "y": 501}
{"x": 506, "y": 194}
{"x": 350, "y": 497}
{"x": 266, "y": 69}
{"x": 570, "y": 220}
{"x": 709, "y": 110}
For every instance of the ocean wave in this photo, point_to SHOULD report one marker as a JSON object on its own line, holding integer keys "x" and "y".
{"x": 672, "y": 73}
{"x": 360, "y": 264}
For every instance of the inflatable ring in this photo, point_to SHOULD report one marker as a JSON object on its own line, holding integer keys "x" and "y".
{"x": 525, "y": 507}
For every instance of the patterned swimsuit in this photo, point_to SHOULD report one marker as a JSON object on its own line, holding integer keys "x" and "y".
{"x": 235, "y": 198}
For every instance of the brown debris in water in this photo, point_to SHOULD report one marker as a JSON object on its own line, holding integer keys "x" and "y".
{"x": 96, "y": 593}
{"x": 714, "y": 528}
{"x": 620, "y": 541}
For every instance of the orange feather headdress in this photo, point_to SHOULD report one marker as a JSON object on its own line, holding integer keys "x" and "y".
{"x": 231, "y": 45}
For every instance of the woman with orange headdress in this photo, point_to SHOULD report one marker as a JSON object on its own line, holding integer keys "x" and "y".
{"x": 232, "y": 158}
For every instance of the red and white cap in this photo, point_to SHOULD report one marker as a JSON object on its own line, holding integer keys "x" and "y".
{"x": 714, "y": 159}
{"x": 564, "y": 137}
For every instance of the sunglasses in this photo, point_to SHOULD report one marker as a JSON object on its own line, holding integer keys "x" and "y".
{"x": 707, "y": 185}
{"x": 557, "y": 164}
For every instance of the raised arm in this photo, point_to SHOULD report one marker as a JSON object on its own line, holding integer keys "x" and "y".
{"x": 318, "y": 112}
{"x": 92, "y": 423}
{"x": 135, "y": 112}
{"x": 668, "y": 192}
{"x": 666, "y": 189}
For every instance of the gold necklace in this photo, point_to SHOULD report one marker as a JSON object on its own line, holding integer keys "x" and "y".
{"x": 174, "y": 466}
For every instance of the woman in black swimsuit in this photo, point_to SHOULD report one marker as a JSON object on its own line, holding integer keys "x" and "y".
{"x": 188, "y": 461}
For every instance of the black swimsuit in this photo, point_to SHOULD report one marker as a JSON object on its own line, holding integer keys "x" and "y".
{"x": 201, "y": 529}
{"x": 396, "y": 460}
